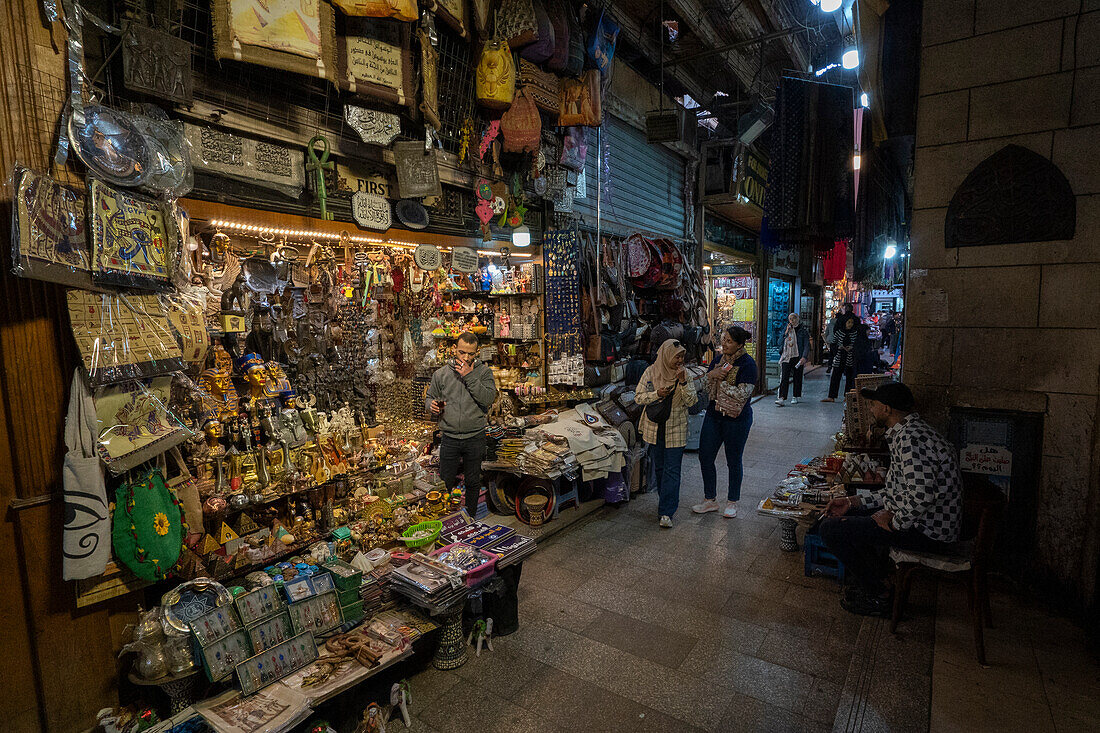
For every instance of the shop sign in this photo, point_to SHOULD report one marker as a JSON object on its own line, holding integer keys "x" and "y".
{"x": 464, "y": 259}
{"x": 726, "y": 235}
{"x": 893, "y": 293}
{"x": 991, "y": 460}
{"x": 371, "y": 211}
{"x": 728, "y": 270}
{"x": 752, "y": 176}
{"x": 355, "y": 178}
{"x": 785, "y": 258}
{"x": 243, "y": 159}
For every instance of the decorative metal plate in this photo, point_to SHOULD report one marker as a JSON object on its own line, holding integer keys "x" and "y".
{"x": 371, "y": 211}
{"x": 377, "y": 128}
{"x": 417, "y": 172}
{"x": 156, "y": 63}
{"x": 108, "y": 143}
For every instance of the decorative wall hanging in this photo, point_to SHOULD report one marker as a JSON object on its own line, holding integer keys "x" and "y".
{"x": 580, "y": 101}
{"x": 187, "y": 315}
{"x": 464, "y": 259}
{"x": 375, "y": 59}
{"x": 412, "y": 214}
{"x": 122, "y": 336}
{"x": 49, "y": 238}
{"x": 542, "y": 47}
{"x": 107, "y": 142}
{"x": 292, "y": 35}
{"x": 429, "y": 78}
{"x": 395, "y": 9}
{"x": 170, "y": 169}
{"x": 495, "y": 80}
{"x": 521, "y": 125}
{"x": 371, "y": 211}
{"x": 543, "y": 86}
{"x": 1013, "y": 196}
{"x": 427, "y": 257}
{"x": 156, "y": 63}
{"x": 133, "y": 423}
{"x": 130, "y": 242}
{"x": 453, "y": 13}
{"x": 377, "y": 128}
{"x": 516, "y": 22}
{"x": 417, "y": 172}
{"x": 247, "y": 160}
{"x": 318, "y": 165}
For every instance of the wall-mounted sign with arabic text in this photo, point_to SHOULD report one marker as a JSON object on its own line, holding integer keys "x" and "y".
{"x": 464, "y": 259}
{"x": 377, "y": 128}
{"x": 371, "y": 211}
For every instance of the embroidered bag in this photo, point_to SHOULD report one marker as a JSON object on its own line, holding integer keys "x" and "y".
{"x": 147, "y": 526}
{"x": 543, "y": 86}
{"x": 521, "y": 125}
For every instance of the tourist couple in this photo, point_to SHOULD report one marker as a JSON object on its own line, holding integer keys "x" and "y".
{"x": 666, "y": 394}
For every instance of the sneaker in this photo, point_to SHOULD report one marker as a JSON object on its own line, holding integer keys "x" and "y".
{"x": 709, "y": 505}
{"x": 794, "y": 400}
{"x": 828, "y": 399}
{"x": 666, "y": 522}
{"x": 731, "y": 510}
{"x": 780, "y": 402}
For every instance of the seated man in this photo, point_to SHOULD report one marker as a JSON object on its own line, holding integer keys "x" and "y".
{"x": 918, "y": 509}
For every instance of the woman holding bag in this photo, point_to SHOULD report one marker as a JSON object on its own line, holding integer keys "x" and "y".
{"x": 666, "y": 396}
{"x": 731, "y": 381}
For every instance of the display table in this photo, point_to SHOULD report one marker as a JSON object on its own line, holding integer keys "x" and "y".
{"x": 789, "y": 520}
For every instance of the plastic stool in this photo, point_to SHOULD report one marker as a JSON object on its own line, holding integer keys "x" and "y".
{"x": 819, "y": 561}
{"x": 564, "y": 496}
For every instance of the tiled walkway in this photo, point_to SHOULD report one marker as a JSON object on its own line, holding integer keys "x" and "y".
{"x": 709, "y": 626}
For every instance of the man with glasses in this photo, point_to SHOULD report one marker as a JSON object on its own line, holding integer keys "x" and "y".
{"x": 459, "y": 397}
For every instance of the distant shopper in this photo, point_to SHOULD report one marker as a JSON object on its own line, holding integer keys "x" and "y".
{"x": 895, "y": 343}
{"x": 919, "y": 508}
{"x": 828, "y": 342}
{"x": 793, "y": 360}
{"x": 666, "y": 379}
{"x": 866, "y": 355}
{"x": 844, "y": 356}
{"x": 460, "y": 395}
{"x": 728, "y": 420}
{"x": 887, "y": 326}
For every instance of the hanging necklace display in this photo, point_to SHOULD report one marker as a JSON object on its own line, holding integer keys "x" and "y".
{"x": 377, "y": 128}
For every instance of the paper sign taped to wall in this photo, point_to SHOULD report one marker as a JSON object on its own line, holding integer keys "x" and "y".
{"x": 992, "y": 460}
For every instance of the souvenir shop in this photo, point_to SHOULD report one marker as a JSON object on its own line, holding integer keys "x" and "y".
{"x": 732, "y": 272}
{"x": 246, "y": 295}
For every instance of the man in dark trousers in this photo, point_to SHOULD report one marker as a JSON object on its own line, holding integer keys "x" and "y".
{"x": 460, "y": 395}
{"x": 918, "y": 509}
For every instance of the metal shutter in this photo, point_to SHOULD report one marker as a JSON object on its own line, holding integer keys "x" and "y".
{"x": 647, "y": 184}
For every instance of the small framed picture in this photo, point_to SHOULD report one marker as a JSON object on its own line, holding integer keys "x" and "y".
{"x": 222, "y": 656}
{"x": 259, "y": 604}
{"x": 215, "y": 624}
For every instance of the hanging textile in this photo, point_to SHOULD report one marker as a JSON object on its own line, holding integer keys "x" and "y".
{"x": 836, "y": 261}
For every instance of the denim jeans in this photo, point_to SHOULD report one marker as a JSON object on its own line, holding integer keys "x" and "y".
{"x": 733, "y": 432}
{"x": 666, "y": 469}
{"x": 470, "y": 452}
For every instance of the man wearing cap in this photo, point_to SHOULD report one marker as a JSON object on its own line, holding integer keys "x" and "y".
{"x": 918, "y": 508}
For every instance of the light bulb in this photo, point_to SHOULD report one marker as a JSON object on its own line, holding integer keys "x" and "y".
{"x": 864, "y": 100}
{"x": 831, "y": 6}
{"x": 850, "y": 59}
{"x": 855, "y": 162}
{"x": 521, "y": 236}
{"x": 891, "y": 250}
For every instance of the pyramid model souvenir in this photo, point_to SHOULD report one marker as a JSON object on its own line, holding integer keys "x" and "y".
{"x": 226, "y": 534}
{"x": 208, "y": 545}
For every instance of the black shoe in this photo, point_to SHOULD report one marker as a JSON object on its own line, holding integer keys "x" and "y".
{"x": 861, "y": 603}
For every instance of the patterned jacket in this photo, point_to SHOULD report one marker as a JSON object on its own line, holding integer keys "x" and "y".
{"x": 923, "y": 487}
{"x": 676, "y": 427}
{"x": 842, "y": 359}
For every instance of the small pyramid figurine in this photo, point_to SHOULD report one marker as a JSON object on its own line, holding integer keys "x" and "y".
{"x": 226, "y": 534}
{"x": 246, "y": 526}
{"x": 208, "y": 545}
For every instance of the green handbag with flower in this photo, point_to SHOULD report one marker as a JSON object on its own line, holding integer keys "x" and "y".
{"x": 147, "y": 526}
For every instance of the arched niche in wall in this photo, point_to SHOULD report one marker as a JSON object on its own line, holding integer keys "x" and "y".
{"x": 1014, "y": 195}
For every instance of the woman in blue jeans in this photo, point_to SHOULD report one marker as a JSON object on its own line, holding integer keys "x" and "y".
{"x": 734, "y": 373}
{"x": 665, "y": 377}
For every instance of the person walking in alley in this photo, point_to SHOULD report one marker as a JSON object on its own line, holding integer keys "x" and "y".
{"x": 730, "y": 382}
{"x": 844, "y": 356}
{"x": 793, "y": 360}
{"x": 887, "y": 326}
{"x": 666, "y": 395}
{"x": 918, "y": 509}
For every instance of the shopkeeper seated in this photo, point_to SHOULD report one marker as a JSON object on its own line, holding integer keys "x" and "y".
{"x": 918, "y": 509}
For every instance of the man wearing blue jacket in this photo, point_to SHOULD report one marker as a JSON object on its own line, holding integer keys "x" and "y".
{"x": 460, "y": 395}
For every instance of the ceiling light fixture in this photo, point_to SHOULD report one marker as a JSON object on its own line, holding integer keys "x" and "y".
{"x": 864, "y": 100}
{"x": 831, "y": 6}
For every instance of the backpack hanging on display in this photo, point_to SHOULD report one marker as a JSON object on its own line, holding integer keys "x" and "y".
{"x": 542, "y": 47}
{"x": 495, "y": 84}
{"x": 638, "y": 255}
{"x": 521, "y": 125}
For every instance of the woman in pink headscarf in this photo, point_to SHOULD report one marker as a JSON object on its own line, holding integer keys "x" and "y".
{"x": 666, "y": 379}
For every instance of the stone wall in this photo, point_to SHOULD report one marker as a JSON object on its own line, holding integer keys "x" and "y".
{"x": 1021, "y": 326}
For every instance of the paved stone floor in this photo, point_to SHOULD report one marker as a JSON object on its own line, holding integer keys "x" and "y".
{"x": 709, "y": 626}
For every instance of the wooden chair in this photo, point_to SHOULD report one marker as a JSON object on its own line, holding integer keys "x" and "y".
{"x": 968, "y": 558}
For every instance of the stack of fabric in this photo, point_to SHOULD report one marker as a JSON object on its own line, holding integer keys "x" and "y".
{"x": 547, "y": 456}
{"x": 599, "y": 448}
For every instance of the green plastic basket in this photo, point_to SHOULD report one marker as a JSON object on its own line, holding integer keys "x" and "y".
{"x": 434, "y": 525}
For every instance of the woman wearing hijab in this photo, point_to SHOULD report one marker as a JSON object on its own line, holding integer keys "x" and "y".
{"x": 844, "y": 356}
{"x": 733, "y": 372}
{"x": 792, "y": 362}
{"x": 666, "y": 378}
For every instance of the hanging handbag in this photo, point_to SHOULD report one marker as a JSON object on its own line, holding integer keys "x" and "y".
{"x": 727, "y": 401}
{"x": 183, "y": 485}
{"x": 574, "y": 64}
{"x": 580, "y": 101}
{"x": 574, "y": 149}
{"x": 495, "y": 84}
{"x": 542, "y": 47}
{"x": 559, "y": 20}
{"x": 86, "y": 546}
{"x": 147, "y": 526}
{"x": 516, "y": 23}
{"x": 601, "y": 45}
{"x": 543, "y": 86}
{"x": 521, "y": 125}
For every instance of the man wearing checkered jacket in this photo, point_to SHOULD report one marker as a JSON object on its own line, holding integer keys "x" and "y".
{"x": 918, "y": 509}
